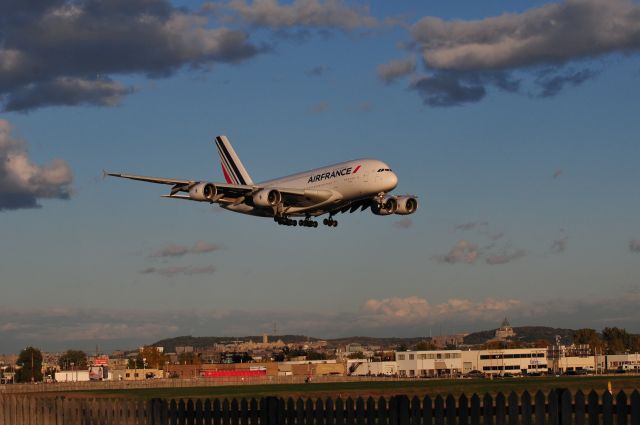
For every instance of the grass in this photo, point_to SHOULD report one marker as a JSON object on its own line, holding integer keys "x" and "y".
{"x": 383, "y": 388}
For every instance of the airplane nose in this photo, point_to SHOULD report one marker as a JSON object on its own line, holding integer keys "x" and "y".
{"x": 393, "y": 180}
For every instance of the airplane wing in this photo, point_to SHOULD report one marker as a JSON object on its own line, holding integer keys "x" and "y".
{"x": 293, "y": 200}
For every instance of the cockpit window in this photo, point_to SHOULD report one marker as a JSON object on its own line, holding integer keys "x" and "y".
{"x": 383, "y": 169}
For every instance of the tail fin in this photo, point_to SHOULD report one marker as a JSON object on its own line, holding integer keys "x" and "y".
{"x": 234, "y": 171}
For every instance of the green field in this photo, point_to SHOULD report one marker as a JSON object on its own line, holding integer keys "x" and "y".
{"x": 389, "y": 388}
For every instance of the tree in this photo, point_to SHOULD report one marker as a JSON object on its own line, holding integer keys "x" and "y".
{"x": 356, "y": 355}
{"x": 73, "y": 360}
{"x": 150, "y": 357}
{"x": 618, "y": 340}
{"x": 588, "y": 336}
{"x": 30, "y": 362}
{"x": 425, "y": 346}
{"x": 315, "y": 355}
{"x": 188, "y": 358}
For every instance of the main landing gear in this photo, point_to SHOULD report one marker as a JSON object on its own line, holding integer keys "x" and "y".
{"x": 285, "y": 221}
{"x": 330, "y": 222}
{"x": 308, "y": 223}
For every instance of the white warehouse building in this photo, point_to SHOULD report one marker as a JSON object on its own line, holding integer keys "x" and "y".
{"x": 515, "y": 361}
{"x": 423, "y": 364}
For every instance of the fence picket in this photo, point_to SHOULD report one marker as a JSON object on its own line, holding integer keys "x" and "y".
{"x": 438, "y": 410}
{"x": 308, "y": 412}
{"x": 565, "y": 408}
{"x": 199, "y": 412}
{"x": 451, "y": 411}
{"x": 635, "y": 407}
{"x": 329, "y": 409}
{"x": 403, "y": 409}
{"x": 463, "y": 410}
{"x": 339, "y": 411}
{"x": 475, "y": 409}
{"x": 539, "y": 408}
{"x": 487, "y": 409}
{"x": 621, "y": 408}
{"x": 593, "y": 408}
{"x": 501, "y": 412}
{"x": 607, "y": 408}
{"x": 360, "y": 411}
{"x": 525, "y": 401}
{"x": 226, "y": 413}
{"x": 235, "y": 412}
{"x": 427, "y": 411}
{"x": 244, "y": 412}
{"x": 382, "y": 412}
{"x": 254, "y": 411}
{"x": 299, "y": 412}
{"x": 579, "y": 410}
{"x": 554, "y": 408}
{"x": 217, "y": 411}
{"x": 415, "y": 410}
{"x": 513, "y": 407}
{"x": 371, "y": 411}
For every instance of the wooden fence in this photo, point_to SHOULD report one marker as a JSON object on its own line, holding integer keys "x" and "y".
{"x": 558, "y": 407}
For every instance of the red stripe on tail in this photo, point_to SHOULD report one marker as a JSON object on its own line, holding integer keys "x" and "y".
{"x": 226, "y": 175}
{"x": 356, "y": 170}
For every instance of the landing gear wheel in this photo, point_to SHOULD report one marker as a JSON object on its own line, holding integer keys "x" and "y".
{"x": 335, "y": 223}
{"x": 315, "y": 224}
{"x": 325, "y": 222}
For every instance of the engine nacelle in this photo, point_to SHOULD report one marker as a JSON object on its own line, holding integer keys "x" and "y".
{"x": 387, "y": 207}
{"x": 406, "y": 205}
{"x": 203, "y": 192}
{"x": 267, "y": 198}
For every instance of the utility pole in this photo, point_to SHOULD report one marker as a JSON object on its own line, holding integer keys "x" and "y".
{"x": 32, "y": 371}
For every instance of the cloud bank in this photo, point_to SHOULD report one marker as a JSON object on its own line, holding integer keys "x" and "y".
{"x": 61, "y": 52}
{"x": 61, "y": 328}
{"x": 464, "y": 59}
{"x": 22, "y": 182}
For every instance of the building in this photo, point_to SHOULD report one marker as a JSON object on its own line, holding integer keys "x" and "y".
{"x": 500, "y": 361}
{"x": 426, "y": 364}
{"x": 626, "y": 362}
{"x": 504, "y": 332}
{"x": 367, "y": 368}
{"x": 443, "y": 341}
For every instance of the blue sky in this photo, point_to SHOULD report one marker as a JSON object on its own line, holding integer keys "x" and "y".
{"x": 516, "y": 127}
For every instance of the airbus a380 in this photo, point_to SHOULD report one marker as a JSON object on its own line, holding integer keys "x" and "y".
{"x": 338, "y": 188}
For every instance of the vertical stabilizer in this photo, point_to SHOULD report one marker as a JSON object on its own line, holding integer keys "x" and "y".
{"x": 232, "y": 168}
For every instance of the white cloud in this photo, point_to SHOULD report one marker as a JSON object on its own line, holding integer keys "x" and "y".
{"x": 551, "y": 34}
{"x": 22, "y": 182}
{"x": 413, "y": 309}
{"x": 391, "y": 71}
{"x": 301, "y": 13}
{"x": 462, "y": 252}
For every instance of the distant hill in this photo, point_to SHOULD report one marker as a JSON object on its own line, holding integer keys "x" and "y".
{"x": 200, "y": 342}
{"x": 524, "y": 334}
{"x": 368, "y": 341}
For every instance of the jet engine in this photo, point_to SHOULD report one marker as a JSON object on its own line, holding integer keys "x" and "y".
{"x": 267, "y": 198}
{"x": 388, "y": 206}
{"x": 203, "y": 192}
{"x": 406, "y": 205}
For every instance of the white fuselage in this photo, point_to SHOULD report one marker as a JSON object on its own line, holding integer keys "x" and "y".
{"x": 350, "y": 181}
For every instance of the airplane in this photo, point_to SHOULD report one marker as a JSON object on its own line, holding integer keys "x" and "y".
{"x": 337, "y": 188}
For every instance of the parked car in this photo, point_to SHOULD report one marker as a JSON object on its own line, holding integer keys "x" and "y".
{"x": 475, "y": 374}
